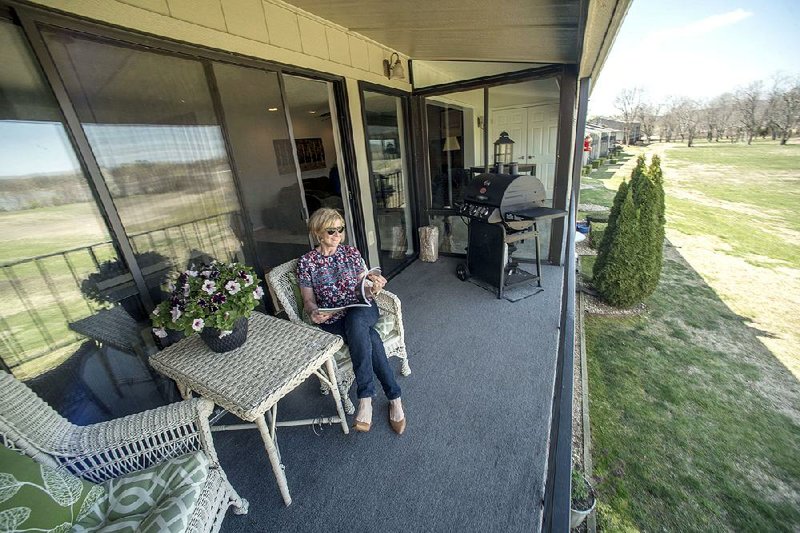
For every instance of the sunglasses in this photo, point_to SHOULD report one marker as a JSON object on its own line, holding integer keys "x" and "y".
{"x": 334, "y": 231}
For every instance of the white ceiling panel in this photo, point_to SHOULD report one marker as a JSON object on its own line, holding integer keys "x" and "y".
{"x": 539, "y": 31}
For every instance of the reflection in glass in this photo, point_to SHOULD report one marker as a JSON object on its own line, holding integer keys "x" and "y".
{"x": 311, "y": 113}
{"x": 59, "y": 265}
{"x": 446, "y": 156}
{"x": 386, "y": 142}
{"x": 455, "y": 156}
{"x": 255, "y": 119}
{"x": 528, "y": 112}
{"x": 151, "y": 124}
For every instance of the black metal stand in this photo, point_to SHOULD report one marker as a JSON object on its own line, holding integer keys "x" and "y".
{"x": 489, "y": 259}
{"x": 489, "y": 250}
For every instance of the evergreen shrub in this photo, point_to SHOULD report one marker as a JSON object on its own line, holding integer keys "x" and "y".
{"x": 596, "y": 231}
{"x": 630, "y": 251}
{"x": 595, "y": 164}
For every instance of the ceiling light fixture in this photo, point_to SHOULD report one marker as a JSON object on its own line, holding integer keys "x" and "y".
{"x": 272, "y": 109}
{"x": 394, "y": 69}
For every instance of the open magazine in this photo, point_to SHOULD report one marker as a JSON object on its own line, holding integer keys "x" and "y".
{"x": 360, "y": 294}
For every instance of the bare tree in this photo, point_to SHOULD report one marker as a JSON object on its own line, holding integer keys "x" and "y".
{"x": 709, "y": 121}
{"x": 649, "y": 116}
{"x": 668, "y": 121}
{"x": 689, "y": 117}
{"x": 783, "y": 107}
{"x": 721, "y": 115}
{"x": 749, "y": 109}
{"x": 628, "y": 102}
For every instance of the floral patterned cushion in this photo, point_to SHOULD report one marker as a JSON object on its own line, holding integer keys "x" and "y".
{"x": 158, "y": 499}
{"x": 41, "y": 498}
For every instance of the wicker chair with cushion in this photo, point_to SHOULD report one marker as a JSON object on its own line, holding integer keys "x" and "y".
{"x": 282, "y": 281}
{"x": 151, "y": 471}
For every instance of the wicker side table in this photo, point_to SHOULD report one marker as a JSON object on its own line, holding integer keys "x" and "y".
{"x": 250, "y": 380}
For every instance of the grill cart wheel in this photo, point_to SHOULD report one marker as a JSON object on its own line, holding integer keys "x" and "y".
{"x": 462, "y": 272}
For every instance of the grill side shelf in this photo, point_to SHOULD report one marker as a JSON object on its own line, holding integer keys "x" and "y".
{"x": 535, "y": 213}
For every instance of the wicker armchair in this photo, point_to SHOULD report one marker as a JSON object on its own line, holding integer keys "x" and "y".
{"x": 109, "y": 450}
{"x": 282, "y": 282}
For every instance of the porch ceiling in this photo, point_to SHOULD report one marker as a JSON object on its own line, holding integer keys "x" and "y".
{"x": 543, "y": 31}
{"x": 533, "y": 31}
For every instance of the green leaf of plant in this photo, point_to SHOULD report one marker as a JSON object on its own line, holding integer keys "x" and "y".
{"x": 62, "y": 487}
{"x": 8, "y": 486}
{"x": 11, "y": 519}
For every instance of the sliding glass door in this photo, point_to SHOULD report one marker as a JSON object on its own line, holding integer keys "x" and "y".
{"x": 389, "y": 179}
{"x": 153, "y": 130}
{"x": 262, "y": 151}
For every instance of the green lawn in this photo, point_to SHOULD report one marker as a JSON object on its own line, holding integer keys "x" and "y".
{"x": 595, "y": 187}
{"x": 695, "y": 413}
{"x": 756, "y": 194}
{"x": 681, "y": 439}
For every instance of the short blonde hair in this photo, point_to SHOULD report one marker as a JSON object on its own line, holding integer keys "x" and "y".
{"x": 322, "y": 219}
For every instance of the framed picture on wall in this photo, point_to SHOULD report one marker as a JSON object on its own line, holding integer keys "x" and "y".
{"x": 284, "y": 156}
{"x": 310, "y": 154}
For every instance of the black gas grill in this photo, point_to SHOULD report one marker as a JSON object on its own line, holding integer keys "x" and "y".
{"x": 503, "y": 210}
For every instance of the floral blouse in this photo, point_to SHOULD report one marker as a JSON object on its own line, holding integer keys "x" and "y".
{"x": 334, "y": 278}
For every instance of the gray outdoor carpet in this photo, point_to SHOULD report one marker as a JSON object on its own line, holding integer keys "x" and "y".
{"x": 478, "y": 404}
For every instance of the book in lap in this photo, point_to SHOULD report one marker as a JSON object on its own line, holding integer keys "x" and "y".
{"x": 360, "y": 294}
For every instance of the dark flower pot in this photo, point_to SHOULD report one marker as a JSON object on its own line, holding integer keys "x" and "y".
{"x": 230, "y": 342}
{"x": 171, "y": 338}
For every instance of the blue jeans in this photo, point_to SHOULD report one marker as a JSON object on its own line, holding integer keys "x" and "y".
{"x": 366, "y": 351}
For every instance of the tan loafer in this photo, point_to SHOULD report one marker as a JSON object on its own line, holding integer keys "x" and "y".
{"x": 362, "y": 427}
{"x": 399, "y": 426}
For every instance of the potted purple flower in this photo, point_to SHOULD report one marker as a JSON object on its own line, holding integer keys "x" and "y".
{"x": 213, "y": 300}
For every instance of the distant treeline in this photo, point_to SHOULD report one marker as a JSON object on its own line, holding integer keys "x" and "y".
{"x": 743, "y": 114}
{"x": 131, "y": 179}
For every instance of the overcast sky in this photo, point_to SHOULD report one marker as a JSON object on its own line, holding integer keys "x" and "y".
{"x": 698, "y": 48}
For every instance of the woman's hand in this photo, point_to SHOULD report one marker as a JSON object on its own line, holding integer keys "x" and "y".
{"x": 318, "y": 317}
{"x": 378, "y": 282}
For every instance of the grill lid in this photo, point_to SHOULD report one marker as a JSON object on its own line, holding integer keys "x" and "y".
{"x": 505, "y": 192}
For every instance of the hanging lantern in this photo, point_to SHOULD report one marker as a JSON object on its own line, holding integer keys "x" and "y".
{"x": 503, "y": 149}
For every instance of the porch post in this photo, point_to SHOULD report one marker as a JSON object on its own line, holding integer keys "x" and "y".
{"x": 556, "y": 504}
{"x": 566, "y": 139}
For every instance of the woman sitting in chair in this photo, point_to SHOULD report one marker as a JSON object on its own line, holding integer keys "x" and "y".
{"x": 329, "y": 276}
